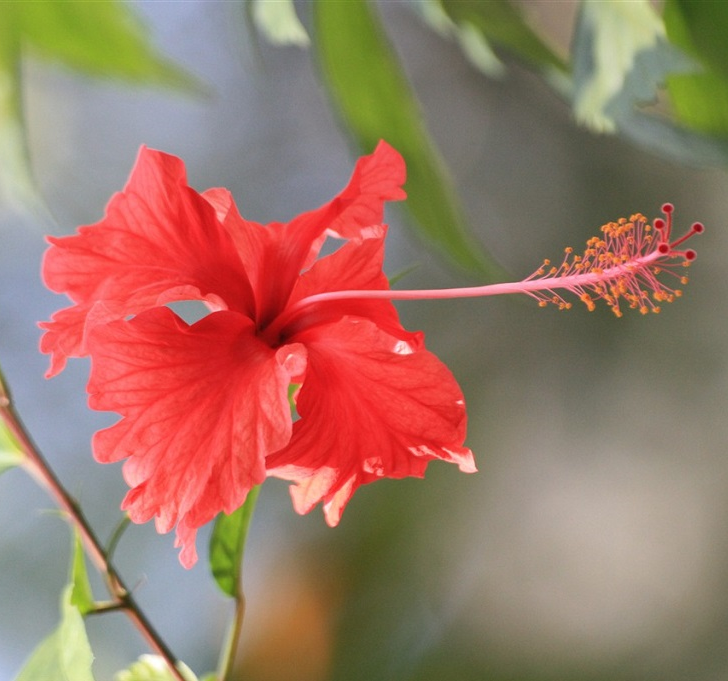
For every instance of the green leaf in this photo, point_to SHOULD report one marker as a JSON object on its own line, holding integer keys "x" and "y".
{"x": 279, "y": 23}
{"x": 502, "y": 24}
{"x": 472, "y": 42}
{"x": 81, "y": 594}
{"x": 10, "y": 454}
{"x": 103, "y": 39}
{"x": 620, "y": 56}
{"x": 700, "y": 100}
{"x": 65, "y": 655}
{"x": 96, "y": 38}
{"x": 227, "y": 545}
{"x": 374, "y": 98}
{"x": 152, "y": 668}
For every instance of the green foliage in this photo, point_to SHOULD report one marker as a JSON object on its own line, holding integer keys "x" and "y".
{"x": 227, "y": 545}
{"x": 609, "y": 39}
{"x": 10, "y": 454}
{"x": 700, "y": 100}
{"x": 152, "y": 668}
{"x": 81, "y": 594}
{"x": 95, "y": 38}
{"x": 373, "y": 96}
{"x": 65, "y": 655}
{"x": 503, "y": 24}
{"x": 278, "y": 22}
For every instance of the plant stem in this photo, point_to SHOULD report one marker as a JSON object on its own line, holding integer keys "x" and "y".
{"x": 36, "y": 464}
{"x": 227, "y": 660}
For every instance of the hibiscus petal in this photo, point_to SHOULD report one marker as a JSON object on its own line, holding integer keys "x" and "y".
{"x": 275, "y": 254}
{"x": 377, "y": 178}
{"x": 202, "y": 405}
{"x": 159, "y": 241}
{"x": 371, "y": 406}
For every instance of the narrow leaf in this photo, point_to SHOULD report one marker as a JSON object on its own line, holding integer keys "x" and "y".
{"x": 374, "y": 98}
{"x": 102, "y": 39}
{"x": 227, "y": 545}
{"x": 17, "y": 189}
{"x": 472, "y": 42}
{"x": 81, "y": 595}
{"x": 95, "y": 38}
{"x": 65, "y": 655}
{"x": 10, "y": 454}
{"x": 502, "y": 24}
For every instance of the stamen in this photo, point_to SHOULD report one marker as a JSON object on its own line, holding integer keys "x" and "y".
{"x": 622, "y": 268}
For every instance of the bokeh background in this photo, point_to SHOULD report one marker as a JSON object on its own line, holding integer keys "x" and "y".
{"x": 592, "y": 542}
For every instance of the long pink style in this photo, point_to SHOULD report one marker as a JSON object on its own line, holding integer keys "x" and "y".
{"x": 621, "y": 267}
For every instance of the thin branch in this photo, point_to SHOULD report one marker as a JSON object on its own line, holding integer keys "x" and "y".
{"x": 36, "y": 464}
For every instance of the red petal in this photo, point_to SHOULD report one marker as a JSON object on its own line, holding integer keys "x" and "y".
{"x": 377, "y": 178}
{"x": 202, "y": 405}
{"x": 275, "y": 254}
{"x": 371, "y": 407}
{"x": 159, "y": 241}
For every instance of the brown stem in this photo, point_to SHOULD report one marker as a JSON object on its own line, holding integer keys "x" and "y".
{"x": 36, "y": 464}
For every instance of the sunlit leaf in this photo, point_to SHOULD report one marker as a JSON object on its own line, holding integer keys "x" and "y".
{"x": 279, "y": 23}
{"x": 227, "y": 545}
{"x": 374, "y": 98}
{"x": 102, "y": 39}
{"x": 620, "y": 56}
{"x": 502, "y": 24}
{"x": 65, "y": 655}
{"x": 152, "y": 668}
{"x": 81, "y": 595}
{"x": 700, "y": 100}
{"x": 10, "y": 454}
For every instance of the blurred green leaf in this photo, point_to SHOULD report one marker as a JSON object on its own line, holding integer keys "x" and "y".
{"x": 472, "y": 41}
{"x": 375, "y": 100}
{"x": 65, "y": 655}
{"x": 227, "y": 545}
{"x": 10, "y": 454}
{"x": 96, "y": 38}
{"x": 700, "y": 100}
{"x": 503, "y": 24}
{"x": 152, "y": 668}
{"x": 279, "y": 23}
{"x": 102, "y": 39}
{"x": 620, "y": 54}
{"x": 81, "y": 595}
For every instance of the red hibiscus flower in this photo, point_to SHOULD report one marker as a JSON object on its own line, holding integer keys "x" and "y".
{"x": 204, "y": 407}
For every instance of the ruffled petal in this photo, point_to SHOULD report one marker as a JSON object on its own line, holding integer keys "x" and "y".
{"x": 160, "y": 241}
{"x": 201, "y": 407}
{"x": 377, "y": 178}
{"x": 275, "y": 254}
{"x": 372, "y": 406}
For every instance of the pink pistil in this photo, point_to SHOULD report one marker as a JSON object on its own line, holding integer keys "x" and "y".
{"x": 622, "y": 265}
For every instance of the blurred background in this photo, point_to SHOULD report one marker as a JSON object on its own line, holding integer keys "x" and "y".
{"x": 592, "y": 542}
